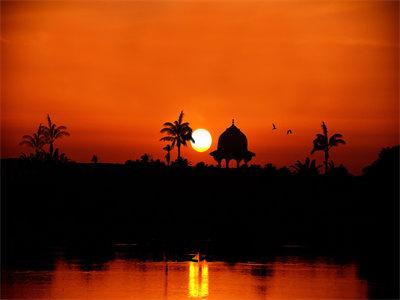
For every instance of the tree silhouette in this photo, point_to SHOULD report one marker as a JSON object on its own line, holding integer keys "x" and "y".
{"x": 145, "y": 158}
{"x": 180, "y": 163}
{"x": 323, "y": 142}
{"x": 338, "y": 171}
{"x": 168, "y": 155}
{"x": 28, "y": 157}
{"x": 177, "y": 133}
{"x": 35, "y": 141}
{"x": 58, "y": 156}
{"x": 386, "y": 165}
{"x": 201, "y": 165}
{"x": 309, "y": 167}
{"x": 94, "y": 159}
{"x": 52, "y": 132}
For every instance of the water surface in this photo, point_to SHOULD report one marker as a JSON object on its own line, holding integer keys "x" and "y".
{"x": 283, "y": 278}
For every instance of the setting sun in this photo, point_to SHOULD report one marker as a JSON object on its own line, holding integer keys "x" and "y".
{"x": 202, "y": 140}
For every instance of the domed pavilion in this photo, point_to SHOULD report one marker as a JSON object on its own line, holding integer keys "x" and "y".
{"x": 232, "y": 145}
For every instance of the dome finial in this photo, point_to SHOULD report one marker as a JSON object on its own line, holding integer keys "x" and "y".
{"x": 233, "y": 121}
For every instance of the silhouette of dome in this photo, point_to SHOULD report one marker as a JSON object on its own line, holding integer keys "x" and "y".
{"x": 232, "y": 144}
{"x": 232, "y": 140}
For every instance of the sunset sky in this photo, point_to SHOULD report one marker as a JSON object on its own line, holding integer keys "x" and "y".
{"x": 113, "y": 72}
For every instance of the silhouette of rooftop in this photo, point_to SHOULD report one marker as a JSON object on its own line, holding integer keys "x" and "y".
{"x": 232, "y": 145}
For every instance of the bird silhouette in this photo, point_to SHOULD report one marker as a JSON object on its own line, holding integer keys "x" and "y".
{"x": 273, "y": 126}
{"x": 289, "y": 131}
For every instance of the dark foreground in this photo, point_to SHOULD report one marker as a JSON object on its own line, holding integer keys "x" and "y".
{"x": 85, "y": 210}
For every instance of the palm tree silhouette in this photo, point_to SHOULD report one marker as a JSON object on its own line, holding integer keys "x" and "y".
{"x": 168, "y": 155}
{"x": 309, "y": 167}
{"x": 35, "y": 141}
{"x": 53, "y": 132}
{"x": 178, "y": 133}
{"x": 323, "y": 142}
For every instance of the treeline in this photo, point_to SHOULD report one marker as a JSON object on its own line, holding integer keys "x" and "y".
{"x": 146, "y": 200}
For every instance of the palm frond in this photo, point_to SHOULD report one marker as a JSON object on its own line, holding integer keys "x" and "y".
{"x": 337, "y": 142}
{"x": 169, "y": 124}
{"x": 28, "y": 143}
{"x": 167, "y": 130}
{"x": 23, "y": 156}
{"x": 337, "y": 136}
{"x": 297, "y": 165}
{"x": 49, "y": 120}
{"x": 324, "y": 129}
{"x": 40, "y": 129}
{"x": 318, "y": 146}
{"x": 61, "y": 134}
{"x": 180, "y": 117}
{"x": 27, "y": 136}
{"x": 168, "y": 139}
{"x": 333, "y": 140}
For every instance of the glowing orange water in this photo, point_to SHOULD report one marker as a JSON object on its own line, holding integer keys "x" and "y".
{"x": 122, "y": 279}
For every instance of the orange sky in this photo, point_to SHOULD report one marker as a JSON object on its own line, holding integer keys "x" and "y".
{"x": 113, "y": 72}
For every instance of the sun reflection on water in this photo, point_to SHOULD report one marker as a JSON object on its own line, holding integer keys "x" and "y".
{"x": 198, "y": 279}
{"x": 290, "y": 279}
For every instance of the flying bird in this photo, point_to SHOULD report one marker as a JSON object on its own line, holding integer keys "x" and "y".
{"x": 289, "y": 131}
{"x": 273, "y": 126}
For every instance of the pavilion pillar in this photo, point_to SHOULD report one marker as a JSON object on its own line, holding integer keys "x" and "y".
{"x": 227, "y": 163}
